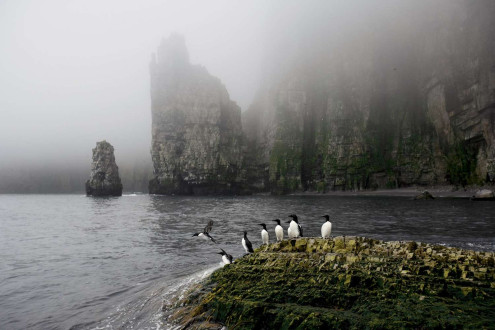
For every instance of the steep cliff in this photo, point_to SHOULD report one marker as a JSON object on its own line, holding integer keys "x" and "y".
{"x": 196, "y": 128}
{"x": 351, "y": 283}
{"x": 104, "y": 179}
{"x": 405, "y": 98}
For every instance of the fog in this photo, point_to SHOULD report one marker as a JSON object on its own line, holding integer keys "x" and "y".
{"x": 76, "y": 72}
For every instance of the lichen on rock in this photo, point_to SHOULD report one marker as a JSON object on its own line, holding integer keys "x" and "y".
{"x": 104, "y": 179}
{"x": 350, "y": 282}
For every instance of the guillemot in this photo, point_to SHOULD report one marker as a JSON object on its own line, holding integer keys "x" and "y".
{"x": 264, "y": 234}
{"x": 226, "y": 258}
{"x": 206, "y": 232}
{"x": 295, "y": 229}
{"x": 279, "y": 231}
{"x": 326, "y": 228}
{"x": 246, "y": 244}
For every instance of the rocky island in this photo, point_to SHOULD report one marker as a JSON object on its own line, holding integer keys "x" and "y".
{"x": 104, "y": 179}
{"x": 342, "y": 283}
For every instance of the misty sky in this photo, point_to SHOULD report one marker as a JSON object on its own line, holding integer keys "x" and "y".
{"x": 76, "y": 72}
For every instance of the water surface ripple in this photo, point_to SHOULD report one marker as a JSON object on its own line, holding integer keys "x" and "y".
{"x": 69, "y": 261}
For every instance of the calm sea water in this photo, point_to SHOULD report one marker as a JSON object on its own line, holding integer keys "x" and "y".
{"x": 69, "y": 261}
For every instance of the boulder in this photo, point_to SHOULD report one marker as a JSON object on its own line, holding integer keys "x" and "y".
{"x": 483, "y": 194}
{"x": 424, "y": 195}
{"x": 104, "y": 179}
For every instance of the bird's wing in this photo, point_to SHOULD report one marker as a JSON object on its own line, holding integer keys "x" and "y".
{"x": 212, "y": 239}
{"x": 208, "y": 227}
{"x": 300, "y": 230}
{"x": 249, "y": 245}
{"x": 230, "y": 258}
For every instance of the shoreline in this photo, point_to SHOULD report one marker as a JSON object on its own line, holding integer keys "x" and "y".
{"x": 436, "y": 191}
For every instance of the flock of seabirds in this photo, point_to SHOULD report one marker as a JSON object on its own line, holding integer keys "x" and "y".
{"x": 294, "y": 231}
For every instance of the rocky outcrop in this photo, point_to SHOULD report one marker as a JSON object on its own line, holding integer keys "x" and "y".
{"x": 424, "y": 195}
{"x": 409, "y": 100}
{"x": 350, "y": 282}
{"x": 104, "y": 179}
{"x": 484, "y": 195}
{"x": 196, "y": 128}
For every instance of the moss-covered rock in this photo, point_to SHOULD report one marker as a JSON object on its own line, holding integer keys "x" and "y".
{"x": 350, "y": 282}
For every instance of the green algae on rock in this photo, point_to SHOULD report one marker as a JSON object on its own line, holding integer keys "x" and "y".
{"x": 351, "y": 282}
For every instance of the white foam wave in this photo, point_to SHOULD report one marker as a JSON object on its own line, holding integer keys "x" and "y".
{"x": 144, "y": 309}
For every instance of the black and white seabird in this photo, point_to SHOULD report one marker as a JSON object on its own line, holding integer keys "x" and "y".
{"x": 326, "y": 228}
{"x": 206, "y": 232}
{"x": 295, "y": 229}
{"x": 279, "y": 231}
{"x": 246, "y": 244}
{"x": 264, "y": 234}
{"x": 226, "y": 258}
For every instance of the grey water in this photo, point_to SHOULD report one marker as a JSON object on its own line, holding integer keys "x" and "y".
{"x": 70, "y": 261}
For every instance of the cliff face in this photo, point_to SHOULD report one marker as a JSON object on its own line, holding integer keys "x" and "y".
{"x": 383, "y": 98}
{"x": 408, "y": 100}
{"x": 354, "y": 283}
{"x": 104, "y": 179}
{"x": 196, "y": 128}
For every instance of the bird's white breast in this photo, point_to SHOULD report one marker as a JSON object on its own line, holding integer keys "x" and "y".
{"x": 293, "y": 230}
{"x": 279, "y": 232}
{"x": 264, "y": 236}
{"x": 225, "y": 260}
{"x": 326, "y": 229}
{"x": 244, "y": 244}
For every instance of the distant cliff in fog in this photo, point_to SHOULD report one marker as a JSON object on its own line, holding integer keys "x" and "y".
{"x": 383, "y": 96}
{"x": 382, "y": 100}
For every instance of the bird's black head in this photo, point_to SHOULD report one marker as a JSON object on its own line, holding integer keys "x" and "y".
{"x": 263, "y": 225}
{"x": 245, "y": 233}
{"x": 222, "y": 253}
{"x": 294, "y": 217}
{"x": 277, "y": 221}
{"x": 195, "y": 234}
{"x": 326, "y": 217}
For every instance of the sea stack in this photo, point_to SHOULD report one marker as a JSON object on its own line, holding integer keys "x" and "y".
{"x": 104, "y": 179}
{"x": 196, "y": 128}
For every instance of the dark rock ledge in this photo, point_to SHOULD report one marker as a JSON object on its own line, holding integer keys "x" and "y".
{"x": 357, "y": 283}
